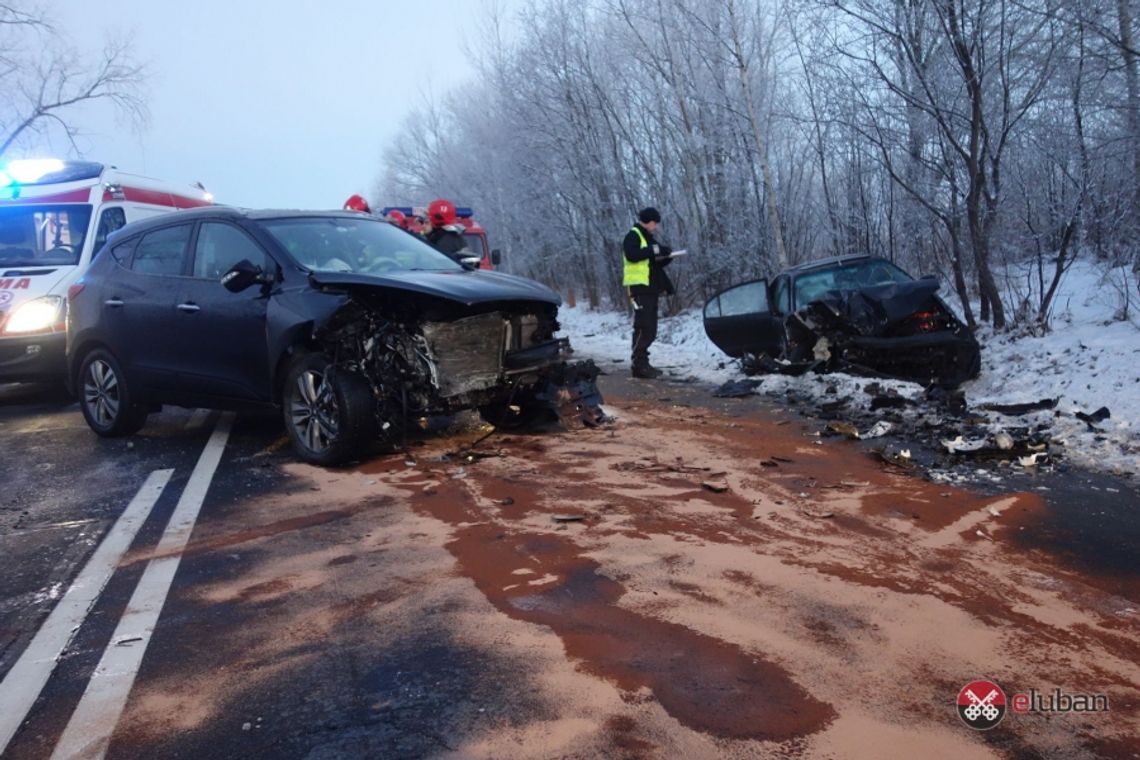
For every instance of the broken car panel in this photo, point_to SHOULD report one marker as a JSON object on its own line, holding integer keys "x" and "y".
{"x": 350, "y": 325}
{"x": 857, "y": 314}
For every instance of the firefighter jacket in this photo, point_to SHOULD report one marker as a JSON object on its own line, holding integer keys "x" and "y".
{"x": 447, "y": 240}
{"x": 641, "y": 269}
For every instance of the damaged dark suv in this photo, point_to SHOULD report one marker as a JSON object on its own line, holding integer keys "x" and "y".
{"x": 350, "y": 325}
{"x": 855, "y": 314}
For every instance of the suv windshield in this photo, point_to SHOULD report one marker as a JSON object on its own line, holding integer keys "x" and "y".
{"x": 32, "y": 236}
{"x": 362, "y": 246}
{"x": 811, "y": 286}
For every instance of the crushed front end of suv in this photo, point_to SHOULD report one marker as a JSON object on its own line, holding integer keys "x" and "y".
{"x": 351, "y": 326}
{"x": 856, "y": 314}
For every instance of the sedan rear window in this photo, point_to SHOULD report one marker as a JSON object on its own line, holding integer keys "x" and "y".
{"x": 361, "y": 246}
{"x": 812, "y": 286}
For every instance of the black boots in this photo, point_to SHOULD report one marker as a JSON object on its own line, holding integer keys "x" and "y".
{"x": 645, "y": 371}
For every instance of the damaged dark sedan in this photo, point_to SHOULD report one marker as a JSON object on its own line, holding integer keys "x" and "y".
{"x": 351, "y": 326}
{"x": 857, "y": 314}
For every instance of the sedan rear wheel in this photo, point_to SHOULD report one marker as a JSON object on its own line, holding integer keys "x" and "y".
{"x": 328, "y": 412}
{"x": 105, "y": 397}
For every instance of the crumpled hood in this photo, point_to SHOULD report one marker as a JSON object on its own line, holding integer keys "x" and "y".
{"x": 872, "y": 309}
{"x": 466, "y": 287}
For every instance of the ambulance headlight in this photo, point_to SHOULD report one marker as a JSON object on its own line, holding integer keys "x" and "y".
{"x": 36, "y": 315}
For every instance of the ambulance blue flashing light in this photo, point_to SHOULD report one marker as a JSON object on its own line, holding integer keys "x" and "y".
{"x": 42, "y": 171}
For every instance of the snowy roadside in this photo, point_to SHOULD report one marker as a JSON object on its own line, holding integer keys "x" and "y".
{"x": 1088, "y": 361}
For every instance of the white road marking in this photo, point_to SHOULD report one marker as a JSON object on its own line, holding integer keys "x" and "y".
{"x": 197, "y": 419}
{"x": 88, "y": 733}
{"x": 23, "y": 683}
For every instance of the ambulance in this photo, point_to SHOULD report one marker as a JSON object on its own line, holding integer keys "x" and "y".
{"x": 54, "y": 216}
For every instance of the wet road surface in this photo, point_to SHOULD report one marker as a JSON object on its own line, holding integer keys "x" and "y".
{"x": 703, "y": 578}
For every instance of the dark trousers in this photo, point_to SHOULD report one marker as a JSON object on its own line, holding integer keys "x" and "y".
{"x": 644, "y": 323}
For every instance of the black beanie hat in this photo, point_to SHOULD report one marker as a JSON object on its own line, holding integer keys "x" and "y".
{"x": 648, "y": 215}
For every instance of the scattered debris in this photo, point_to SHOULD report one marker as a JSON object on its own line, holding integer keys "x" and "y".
{"x": 471, "y": 457}
{"x": 898, "y": 459}
{"x": 128, "y": 640}
{"x": 959, "y": 444}
{"x": 652, "y": 465}
{"x": 878, "y": 430}
{"x": 1100, "y": 415}
{"x": 738, "y": 388}
{"x": 1019, "y": 409}
{"x": 567, "y": 518}
{"x": 1032, "y": 460}
{"x": 843, "y": 428}
{"x": 714, "y": 487}
{"x": 506, "y": 501}
{"x": 816, "y": 514}
{"x": 1003, "y": 441}
{"x": 831, "y": 407}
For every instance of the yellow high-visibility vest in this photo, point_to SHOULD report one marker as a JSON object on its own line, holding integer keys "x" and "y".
{"x": 636, "y": 272}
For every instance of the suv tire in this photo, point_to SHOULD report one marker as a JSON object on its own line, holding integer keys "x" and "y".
{"x": 329, "y": 413}
{"x": 105, "y": 398}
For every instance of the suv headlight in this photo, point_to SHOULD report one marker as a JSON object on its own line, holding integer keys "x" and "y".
{"x": 37, "y": 315}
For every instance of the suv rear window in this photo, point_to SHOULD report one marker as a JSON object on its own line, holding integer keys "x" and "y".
{"x": 162, "y": 251}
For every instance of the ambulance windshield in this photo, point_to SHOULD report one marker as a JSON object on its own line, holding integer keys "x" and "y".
{"x": 36, "y": 236}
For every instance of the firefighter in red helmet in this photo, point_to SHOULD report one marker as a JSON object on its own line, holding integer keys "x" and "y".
{"x": 442, "y": 231}
{"x": 397, "y": 217}
{"x": 357, "y": 203}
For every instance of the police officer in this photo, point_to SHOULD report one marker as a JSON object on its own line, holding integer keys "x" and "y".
{"x": 645, "y": 278}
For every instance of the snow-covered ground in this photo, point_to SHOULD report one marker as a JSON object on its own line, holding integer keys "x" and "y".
{"x": 1089, "y": 360}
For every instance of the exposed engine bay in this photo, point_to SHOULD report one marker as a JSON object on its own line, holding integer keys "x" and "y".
{"x": 892, "y": 330}
{"x": 425, "y": 356}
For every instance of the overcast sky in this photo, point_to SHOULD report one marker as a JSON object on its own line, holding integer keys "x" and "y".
{"x": 280, "y": 104}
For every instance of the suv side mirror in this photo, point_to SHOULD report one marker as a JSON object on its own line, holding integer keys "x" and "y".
{"x": 470, "y": 260}
{"x": 496, "y": 257}
{"x": 242, "y": 275}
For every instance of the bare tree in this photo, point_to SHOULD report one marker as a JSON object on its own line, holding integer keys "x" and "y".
{"x": 43, "y": 80}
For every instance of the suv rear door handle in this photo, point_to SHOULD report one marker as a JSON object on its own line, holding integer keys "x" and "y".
{"x": 189, "y": 308}
{"x": 114, "y": 303}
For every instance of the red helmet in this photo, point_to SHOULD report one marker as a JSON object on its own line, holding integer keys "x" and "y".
{"x": 397, "y": 217}
{"x": 441, "y": 212}
{"x": 357, "y": 203}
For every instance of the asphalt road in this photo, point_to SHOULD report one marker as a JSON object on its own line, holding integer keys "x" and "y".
{"x": 704, "y": 577}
